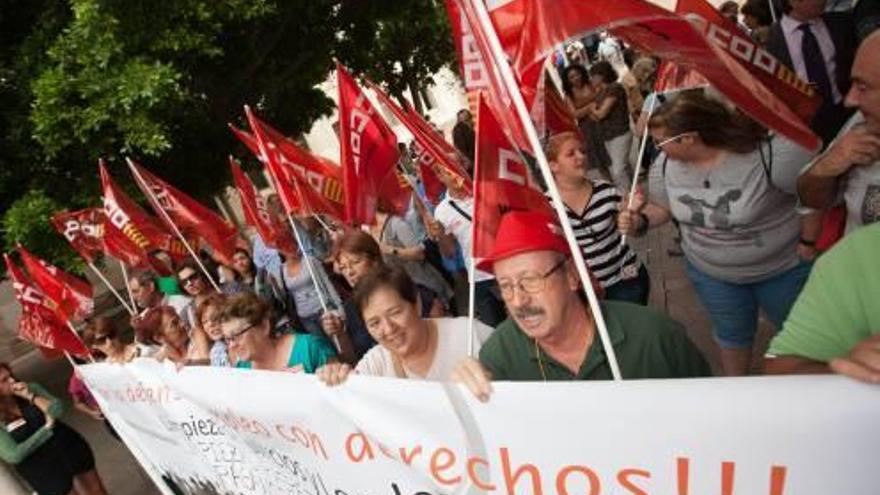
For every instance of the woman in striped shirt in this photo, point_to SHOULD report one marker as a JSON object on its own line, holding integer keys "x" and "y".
{"x": 592, "y": 207}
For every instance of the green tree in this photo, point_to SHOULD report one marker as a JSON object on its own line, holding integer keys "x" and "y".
{"x": 83, "y": 79}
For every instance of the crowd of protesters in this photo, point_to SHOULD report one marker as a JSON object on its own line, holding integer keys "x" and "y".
{"x": 749, "y": 204}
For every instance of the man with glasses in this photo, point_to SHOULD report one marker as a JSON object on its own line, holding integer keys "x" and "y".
{"x": 551, "y": 333}
{"x": 145, "y": 323}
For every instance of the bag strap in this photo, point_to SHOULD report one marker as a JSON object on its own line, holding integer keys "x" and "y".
{"x": 767, "y": 160}
{"x": 460, "y": 210}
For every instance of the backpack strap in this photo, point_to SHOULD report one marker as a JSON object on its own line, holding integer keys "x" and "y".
{"x": 460, "y": 210}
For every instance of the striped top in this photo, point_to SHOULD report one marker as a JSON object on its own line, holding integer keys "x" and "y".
{"x": 596, "y": 232}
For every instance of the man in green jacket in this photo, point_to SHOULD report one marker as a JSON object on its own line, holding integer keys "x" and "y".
{"x": 551, "y": 333}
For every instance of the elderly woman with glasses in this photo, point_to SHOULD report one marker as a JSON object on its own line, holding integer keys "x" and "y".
{"x": 357, "y": 254}
{"x": 731, "y": 188}
{"x": 410, "y": 346}
{"x": 249, "y": 329}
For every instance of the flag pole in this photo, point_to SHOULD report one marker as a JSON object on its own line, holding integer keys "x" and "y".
{"x": 638, "y": 169}
{"x": 127, "y": 284}
{"x": 322, "y": 223}
{"x": 507, "y": 77}
{"x": 111, "y": 288}
{"x": 168, "y": 219}
{"x": 75, "y": 334}
{"x": 313, "y": 276}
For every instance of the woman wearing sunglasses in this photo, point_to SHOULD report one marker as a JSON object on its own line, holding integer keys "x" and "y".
{"x": 250, "y": 332}
{"x": 52, "y": 457}
{"x": 731, "y": 188}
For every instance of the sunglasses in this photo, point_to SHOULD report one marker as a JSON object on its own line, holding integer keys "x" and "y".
{"x": 660, "y": 144}
{"x": 191, "y": 279}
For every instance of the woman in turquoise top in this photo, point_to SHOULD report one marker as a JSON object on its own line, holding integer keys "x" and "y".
{"x": 249, "y": 328}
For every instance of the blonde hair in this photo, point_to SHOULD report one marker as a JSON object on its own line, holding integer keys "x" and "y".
{"x": 555, "y": 142}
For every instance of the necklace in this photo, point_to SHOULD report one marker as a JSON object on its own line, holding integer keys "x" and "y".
{"x": 540, "y": 361}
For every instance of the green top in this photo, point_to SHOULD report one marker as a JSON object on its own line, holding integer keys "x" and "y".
{"x": 12, "y": 452}
{"x": 308, "y": 354}
{"x": 168, "y": 286}
{"x": 840, "y": 304}
{"x": 648, "y": 344}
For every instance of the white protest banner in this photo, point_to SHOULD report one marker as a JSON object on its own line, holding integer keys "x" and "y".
{"x": 211, "y": 430}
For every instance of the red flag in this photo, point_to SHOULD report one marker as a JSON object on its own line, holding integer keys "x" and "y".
{"x": 528, "y": 30}
{"x": 502, "y": 182}
{"x": 131, "y": 233}
{"x": 430, "y": 154}
{"x": 284, "y": 161}
{"x": 39, "y": 323}
{"x": 475, "y": 55}
{"x": 72, "y": 296}
{"x": 186, "y": 212}
{"x": 800, "y": 95}
{"x": 83, "y": 229}
{"x": 671, "y": 77}
{"x": 321, "y": 174}
{"x": 257, "y": 214}
{"x": 368, "y": 155}
{"x": 551, "y": 113}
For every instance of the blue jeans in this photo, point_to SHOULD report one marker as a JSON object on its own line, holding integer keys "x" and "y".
{"x": 733, "y": 307}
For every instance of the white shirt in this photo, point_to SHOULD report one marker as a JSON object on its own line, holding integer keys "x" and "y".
{"x": 793, "y": 39}
{"x": 452, "y": 347}
{"x": 456, "y": 224}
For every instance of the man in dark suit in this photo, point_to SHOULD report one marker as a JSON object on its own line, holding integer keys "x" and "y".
{"x": 819, "y": 47}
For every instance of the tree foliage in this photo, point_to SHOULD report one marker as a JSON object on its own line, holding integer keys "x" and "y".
{"x": 83, "y": 79}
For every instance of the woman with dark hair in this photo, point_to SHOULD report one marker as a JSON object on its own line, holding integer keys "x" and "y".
{"x": 757, "y": 17}
{"x": 357, "y": 253}
{"x": 102, "y": 337}
{"x": 611, "y": 114}
{"x": 47, "y": 453}
{"x": 576, "y": 85}
{"x": 178, "y": 346}
{"x": 410, "y": 346}
{"x": 302, "y": 301}
{"x": 249, "y": 329}
{"x": 731, "y": 188}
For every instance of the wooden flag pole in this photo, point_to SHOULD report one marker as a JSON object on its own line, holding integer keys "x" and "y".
{"x": 168, "y": 219}
{"x": 128, "y": 285}
{"x": 112, "y": 289}
{"x": 498, "y": 56}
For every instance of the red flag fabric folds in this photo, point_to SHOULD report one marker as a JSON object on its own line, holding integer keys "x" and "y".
{"x": 84, "y": 230}
{"x": 188, "y": 213}
{"x": 324, "y": 176}
{"x": 430, "y": 153}
{"x": 368, "y": 156}
{"x": 502, "y": 182}
{"x": 306, "y": 184}
{"x": 71, "y": 296}
{"x": 551, "y": 113}
{"x": 38, "y": 323}
{"x": 528, "y": 30}
{"x": 800, "y": 95}
{"x": 257, "y": 214}
{"x": 131, "y": 234}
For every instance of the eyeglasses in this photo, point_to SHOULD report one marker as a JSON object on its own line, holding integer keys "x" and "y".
{"x": 530, "y": 284}
{"x": 190, "y": 280}
{"x": 101, "y": 339}
{"x": 659, "y": 145}
{"x": 233, "y": 338}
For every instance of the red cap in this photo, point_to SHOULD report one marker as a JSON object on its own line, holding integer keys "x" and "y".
{"x": 523, "y": 232}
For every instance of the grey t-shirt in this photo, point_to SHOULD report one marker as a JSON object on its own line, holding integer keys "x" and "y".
{"x": 735, "y": 225}
{"x": 860, "y": 187}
